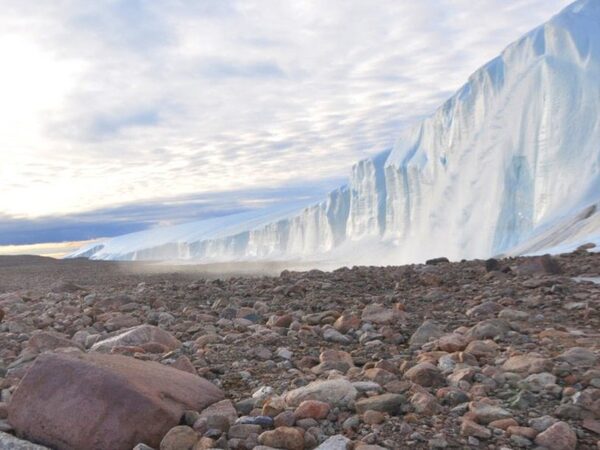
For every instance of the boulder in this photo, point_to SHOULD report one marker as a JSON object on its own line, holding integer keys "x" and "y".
{"x": 138, "y": 336}
{"x": 96, "y": 401}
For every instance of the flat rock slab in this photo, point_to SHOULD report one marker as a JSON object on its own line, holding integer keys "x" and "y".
{"x": 97, "y": 402}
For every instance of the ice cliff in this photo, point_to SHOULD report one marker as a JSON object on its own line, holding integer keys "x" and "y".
{"x": 510, "y": 163}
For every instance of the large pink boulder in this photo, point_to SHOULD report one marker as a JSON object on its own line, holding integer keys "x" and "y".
{"x": 96, "y": 401}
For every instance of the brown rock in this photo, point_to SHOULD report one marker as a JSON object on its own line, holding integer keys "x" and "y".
{"x": 452, "y": 343}
{"x": 503, "y": 424}
{"x": 179, "y": 438}
{"x": 347, "y": 322}
{"x": 470, "y": 428}
{"x": 273, "y": 406}
{"x": 559, "y": 436}
{"x": 312, "y": 409}
{"x": 526, "y": 432}
{"x": 105, "y": 401}
{"x": 372, "y": 417}
{"x": 527, "y": 364}
{"x": 287, "y": 438}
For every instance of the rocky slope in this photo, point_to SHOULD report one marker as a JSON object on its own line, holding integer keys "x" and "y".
{"x": 497, "y": 354}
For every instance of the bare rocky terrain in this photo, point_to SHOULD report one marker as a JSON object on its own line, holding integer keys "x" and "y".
{"x": 497, "y": 354}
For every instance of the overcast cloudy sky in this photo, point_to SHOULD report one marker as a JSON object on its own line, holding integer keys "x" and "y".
{"x": 116, "y": 115}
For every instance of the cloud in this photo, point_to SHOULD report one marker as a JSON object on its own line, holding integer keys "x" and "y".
{"x": 131, "y": 217}
{"x": 128, "y": 102}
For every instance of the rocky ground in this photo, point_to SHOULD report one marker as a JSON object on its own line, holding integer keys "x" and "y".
{"x": 498, "y": 354}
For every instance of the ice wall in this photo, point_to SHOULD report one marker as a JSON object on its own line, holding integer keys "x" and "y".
{"x": 513, "y": 153}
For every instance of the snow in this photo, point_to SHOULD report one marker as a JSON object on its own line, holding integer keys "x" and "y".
{"x": 509, "y": 165}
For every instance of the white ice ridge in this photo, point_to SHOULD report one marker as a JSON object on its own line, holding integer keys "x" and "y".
{"x": 510, "y": 163}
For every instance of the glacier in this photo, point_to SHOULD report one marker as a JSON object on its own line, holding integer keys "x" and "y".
{"x": 510, "y": 164}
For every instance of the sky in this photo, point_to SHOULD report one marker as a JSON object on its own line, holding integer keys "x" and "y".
{"x": 119, "y": 115}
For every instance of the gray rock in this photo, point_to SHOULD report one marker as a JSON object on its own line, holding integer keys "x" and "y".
{"x": 429, "y": 330}
{"x": 389, "y": 403}
{"x": 579, "y": 357}
{"x": 9, "y": 442}
{"x": 136, "y": 336}
{"x": 337, "y": 442}
{"x": 338, "y": 392}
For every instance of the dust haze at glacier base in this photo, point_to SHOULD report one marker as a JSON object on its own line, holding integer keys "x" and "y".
{"x": 510, "y": 164}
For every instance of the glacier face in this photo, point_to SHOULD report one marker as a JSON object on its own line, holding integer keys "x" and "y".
{"x": 500, "y": 166}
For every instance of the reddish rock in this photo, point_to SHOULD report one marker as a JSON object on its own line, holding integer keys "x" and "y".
{"x": 138, "y": 336}
{"x": 559, "y": 436}
{"x": 470, "y": 428}
{"x": 283, "y": 321}
{"x": 452, "y": 343}
{"x": 312, "y": 409}
{"x": 425, "y": 374}
{"x": 96, "y": 401}
{"x": 380, "y": 376}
